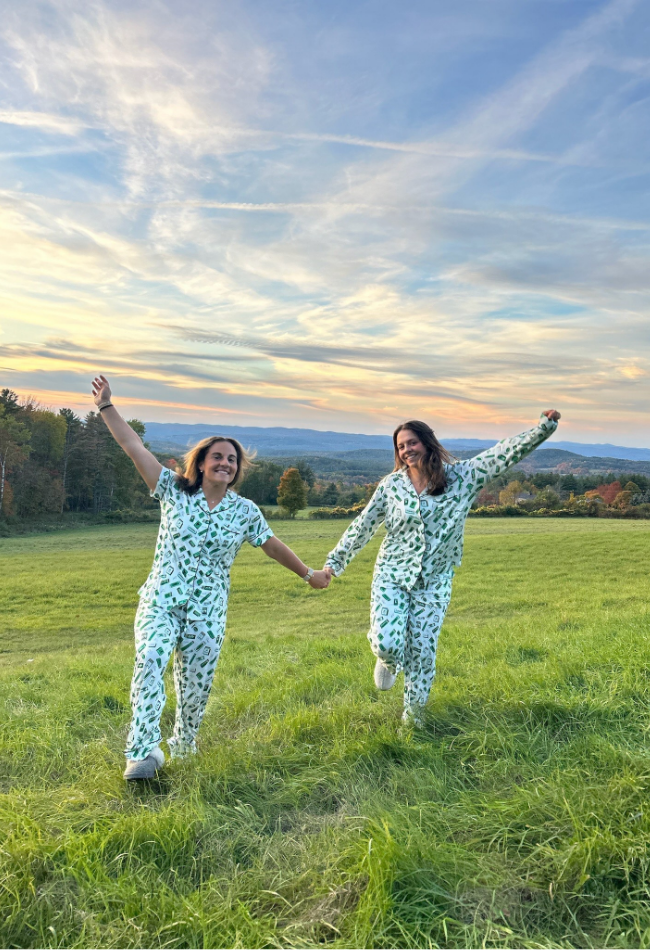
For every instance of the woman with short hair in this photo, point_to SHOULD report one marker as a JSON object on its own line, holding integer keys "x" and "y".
{"x": 183, "y": 602}
{"x": 423, "y": 504}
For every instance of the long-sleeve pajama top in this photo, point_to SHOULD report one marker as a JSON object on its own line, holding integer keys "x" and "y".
{"x": 424, "y": 533}
{"x": 196, "y": 546}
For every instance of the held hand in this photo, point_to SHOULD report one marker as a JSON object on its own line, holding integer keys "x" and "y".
{"x": 319, "y": 580}
{"x": 552, "y": 414}
{"x": 101, "y": 391}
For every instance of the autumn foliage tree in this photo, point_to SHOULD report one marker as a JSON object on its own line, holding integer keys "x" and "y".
{"x": 292, "y": 493}
{"x": 607, "y": 492}
{"x": 510, "y": 494}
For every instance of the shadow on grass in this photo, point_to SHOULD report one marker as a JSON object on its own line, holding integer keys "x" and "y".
{"x": 561, "y": 720}
{"x": 147, "y": 789}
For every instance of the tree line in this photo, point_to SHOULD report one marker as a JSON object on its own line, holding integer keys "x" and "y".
{"x": 57, "y": 462}
{"x": 548, "y": 493}
{"x": 262, "y": 485}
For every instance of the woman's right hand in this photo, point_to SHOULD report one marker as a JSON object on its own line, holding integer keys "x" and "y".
{"x": 319, "y": 580}
{"x": 101, "y": 391}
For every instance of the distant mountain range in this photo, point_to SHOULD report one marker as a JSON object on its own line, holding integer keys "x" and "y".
{"x": 557, "y": 460}
{"x": 281, "y": 442}
{"x": 276, "y": 441}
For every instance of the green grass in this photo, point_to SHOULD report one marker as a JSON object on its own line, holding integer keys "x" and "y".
{"x": 517, "y": 818}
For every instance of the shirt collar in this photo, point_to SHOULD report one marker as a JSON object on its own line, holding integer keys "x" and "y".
{"x": 227, "y": 501}
{"x": 407, "y": 481}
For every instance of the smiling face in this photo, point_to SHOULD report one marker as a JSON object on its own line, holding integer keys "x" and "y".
{"x": 219, "y": 466}
{"x": 409, "y": 448}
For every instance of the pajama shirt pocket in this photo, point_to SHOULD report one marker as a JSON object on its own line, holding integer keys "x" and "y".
{"x": 228, "y": 538}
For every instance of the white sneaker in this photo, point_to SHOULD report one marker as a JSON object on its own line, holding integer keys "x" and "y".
{"x": 384, "y": 679}
{"x": 144, "y": 768}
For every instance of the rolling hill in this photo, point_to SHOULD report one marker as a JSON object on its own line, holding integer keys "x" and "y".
{"x": 360, "y": 457}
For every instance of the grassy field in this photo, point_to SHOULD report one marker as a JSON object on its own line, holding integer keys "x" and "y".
{"x": 518, "y": 818}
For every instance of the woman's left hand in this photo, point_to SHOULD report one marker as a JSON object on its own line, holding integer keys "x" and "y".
{"x": 319, "y": 580}
{"x": 552, "y": 414}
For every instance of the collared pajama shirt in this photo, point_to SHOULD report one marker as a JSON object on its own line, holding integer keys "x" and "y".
{"x": 413, "y": 573}
{"x": 182, "y": 610}
{"x": 424, "y": 533}
{"x": 196, "y": 547}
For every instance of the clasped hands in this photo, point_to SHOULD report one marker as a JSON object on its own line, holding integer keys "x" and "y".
{"x": 321, "y": 579}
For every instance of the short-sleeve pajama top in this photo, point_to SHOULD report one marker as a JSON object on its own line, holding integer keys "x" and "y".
{"x": 196, "y": 546}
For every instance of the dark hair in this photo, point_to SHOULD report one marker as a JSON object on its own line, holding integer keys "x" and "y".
{"x": 190, "y": 478}
{"x": 435, "y": 459}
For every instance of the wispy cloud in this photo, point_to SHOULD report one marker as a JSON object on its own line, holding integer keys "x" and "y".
{"x": 48, "y": 122}
{"x": 233, "y": 225}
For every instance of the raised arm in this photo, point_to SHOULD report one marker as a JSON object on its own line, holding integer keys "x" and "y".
{"x": 358, "y": 533}
{"x": 494, "y": 461}
{"x": 146, "y": 463}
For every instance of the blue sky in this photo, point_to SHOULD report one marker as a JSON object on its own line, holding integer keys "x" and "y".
{"x": 330, "y": 215}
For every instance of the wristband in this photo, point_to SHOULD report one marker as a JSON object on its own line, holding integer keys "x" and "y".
{"x": 308, "y": 576}
{"x": 107, "y": 405}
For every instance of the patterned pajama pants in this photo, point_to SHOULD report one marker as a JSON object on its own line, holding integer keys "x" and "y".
{"x": 404, "y": 629}
{"x": 196, "y": 643}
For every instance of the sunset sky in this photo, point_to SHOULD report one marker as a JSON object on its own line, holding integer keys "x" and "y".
{"x": 330, "y": 214}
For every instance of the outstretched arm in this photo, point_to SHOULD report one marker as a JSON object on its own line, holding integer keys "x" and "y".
{"x": 486, "y": 466}
{"x": 285, "y": 556}
{"x": 146, "y": 463}
{"x": 357, "y": 534}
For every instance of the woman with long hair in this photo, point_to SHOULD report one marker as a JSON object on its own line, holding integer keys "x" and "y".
{"x": 423, "y": 504}
{"x": 183, "y": 602}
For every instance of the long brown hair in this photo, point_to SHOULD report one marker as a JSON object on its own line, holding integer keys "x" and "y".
{"x": 190, "y": 478}
{"x": 435, "y": 459}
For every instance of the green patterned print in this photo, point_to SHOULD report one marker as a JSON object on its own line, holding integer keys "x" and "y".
{"x": 404, "y": 630}
{"x": 423, "y": 544}
{"x": 424, "y": 533}
{"x": 183, "y": 606}
{"x": 196, "y": 644}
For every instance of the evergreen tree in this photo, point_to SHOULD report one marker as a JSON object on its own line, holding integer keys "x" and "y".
{"x": 569, "y": 483}
{"x": 39, "y": 489}
{"x": 261, "y": 483}
{"x": 331, "y": 495}
{"x": 544, "y": 479}
{"x": 52, "y": 461}
{"x": 9, "y": 399}
{"x": 73, "y": 428}
{"x": 306, "y": 472}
